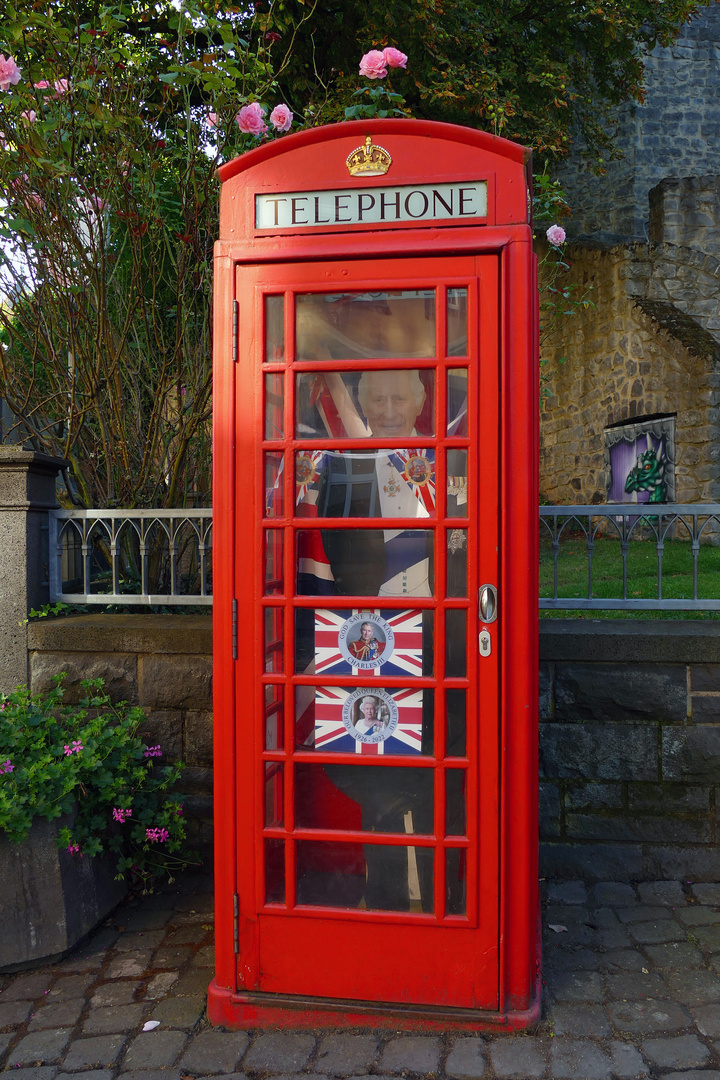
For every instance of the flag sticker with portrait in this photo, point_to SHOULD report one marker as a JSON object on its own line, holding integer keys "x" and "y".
{"x": 374, "y": 641}
{"x": 368, "y": 720}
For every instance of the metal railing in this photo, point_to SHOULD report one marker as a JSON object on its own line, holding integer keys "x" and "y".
{"x": 149, "y": 557}
{"x": 164, "y": 557}
{"x": 634, "y": 532}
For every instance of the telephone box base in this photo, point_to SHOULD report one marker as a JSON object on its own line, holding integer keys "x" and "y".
{"x": 235, "y": 1009}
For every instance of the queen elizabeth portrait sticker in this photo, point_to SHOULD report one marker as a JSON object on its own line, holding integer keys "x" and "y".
{"x": 370, "y": 716}
{"x": 366, "y": 640}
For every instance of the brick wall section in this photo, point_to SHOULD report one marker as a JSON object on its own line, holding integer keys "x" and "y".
{"x": 160, "y": 662}
{"x": 675, "y": 133}
{"x": 619, "y": 363}
{"x": 630, "y": 749}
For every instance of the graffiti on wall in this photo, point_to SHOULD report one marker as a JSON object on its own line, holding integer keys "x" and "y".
{"x": 640, "y": 462}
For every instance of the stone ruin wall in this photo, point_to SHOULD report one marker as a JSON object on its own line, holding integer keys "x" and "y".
{"x": 674, "y": 133}
{"x": 620, "y": 364}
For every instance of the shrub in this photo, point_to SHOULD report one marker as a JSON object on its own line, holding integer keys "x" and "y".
{"x": 90, "y": 760}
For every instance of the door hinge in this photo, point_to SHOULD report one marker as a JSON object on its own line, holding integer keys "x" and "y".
{"x": 236, "y": 923}
{"x": 236, "y": 308}
{"x": 234, "y": 629}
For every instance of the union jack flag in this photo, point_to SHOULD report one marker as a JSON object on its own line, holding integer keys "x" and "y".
{"x": 331, "y": 733}
{"x": 406, "y": 657}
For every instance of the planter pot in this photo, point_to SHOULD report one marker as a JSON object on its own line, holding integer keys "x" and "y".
{"x": 49, "y": 899}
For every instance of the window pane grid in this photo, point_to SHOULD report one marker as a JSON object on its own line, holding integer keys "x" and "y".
{"x": 289, "y": 835}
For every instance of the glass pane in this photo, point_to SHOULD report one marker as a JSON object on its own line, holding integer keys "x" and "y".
{"x": 457, "y": 492}
{"x": 274, "y": 501}
{"x": 455, "y": 789}
{"x": 357, "y": 326}
{"x": 456, "y": 881}
{"x": 274, "y": 406}
{"x": 457, "y": 397}
{"x": 364, "y": 798}
{"x": 388, "y": 404}
{"x": 274, "y": 548}
{"x": 377, "y": 641}
{"x": 273, "y": 717}
{"x": 274, "y": 329}
{"x": 457, "y": 322}
{"x": 370, "y": 876}
{"x": 379, "y": 483}
{"x": 273, "y": 639}
{"x": 457, "y": 562}
{"x": 455, "y": 704}
{"x": 274, "y": 872}
{"x": 364, "y": 720}
{"x": 455, "y": 643}
{"x": 273, "y": 793}
{"x": 364, "y": 562}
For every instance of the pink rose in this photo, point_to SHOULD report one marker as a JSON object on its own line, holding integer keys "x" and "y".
{"x": 42, "y": 85}
{"x": 373, "y": 65}
{"x": 61, "y": 86}
{"x": 29, "y": 116}
{"x": 251, "y": 119}
{"x": 395, "y": 58}
{"x": 9, "y": 72}
{"x": 211, "y": 119}
{"x": 281, "y": 118}
{"x": 556, "y": 235}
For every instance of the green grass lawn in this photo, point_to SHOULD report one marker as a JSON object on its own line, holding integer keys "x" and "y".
{"x": 641, "y": 575}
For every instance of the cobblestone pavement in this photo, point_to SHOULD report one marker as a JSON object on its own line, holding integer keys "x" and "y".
{"x": 632, "y": 989}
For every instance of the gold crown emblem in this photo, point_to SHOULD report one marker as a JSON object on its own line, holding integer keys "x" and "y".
{"x": 368, "y": 160}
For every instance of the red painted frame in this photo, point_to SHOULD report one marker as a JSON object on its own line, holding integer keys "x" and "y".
{"x": 315, "y": 160}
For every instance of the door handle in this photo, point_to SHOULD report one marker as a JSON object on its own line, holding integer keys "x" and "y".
{"x": 487, "y": 597}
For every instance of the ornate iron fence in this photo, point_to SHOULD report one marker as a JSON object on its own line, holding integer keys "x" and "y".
{"x": 665, "y": 557}
{"x": 669, "y": 550}
{"x": 150, "y": 557}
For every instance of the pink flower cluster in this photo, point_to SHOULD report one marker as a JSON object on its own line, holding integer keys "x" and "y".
{"x": 251, "y": 118}
{"x": 556, "y": 235}
{"x": 6, "y": 766}
{"x": 121, "y": 815}
{"x": 153, "y": 751}
{"x": 74, "y": 849}
{"x": 375, "y": 64}
{"x": 76, "y": 747}
{"x": 157, "y": 835}
{"x": 9, "y": 72}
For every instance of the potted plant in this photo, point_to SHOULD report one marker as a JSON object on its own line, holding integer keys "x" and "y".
{"x": 86, "y": 808}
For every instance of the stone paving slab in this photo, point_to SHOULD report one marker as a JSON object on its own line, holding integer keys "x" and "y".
{"x": 632, "y": 991}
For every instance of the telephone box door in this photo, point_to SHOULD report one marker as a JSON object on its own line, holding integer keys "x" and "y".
{"x": 367, "y": 722}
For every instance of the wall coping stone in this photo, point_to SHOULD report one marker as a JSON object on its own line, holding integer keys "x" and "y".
{"x": 143, "y": 633}
{"x": 684, "y": 641}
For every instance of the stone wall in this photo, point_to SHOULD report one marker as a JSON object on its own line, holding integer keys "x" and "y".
{"x": 640, "y": 349}
{"x": 686, "y": 212}
{"x": 630, "y": 749}
{"x": 160, "y": 662}
{"x": 629, "y": 733}
{"x": 675, "y": 132}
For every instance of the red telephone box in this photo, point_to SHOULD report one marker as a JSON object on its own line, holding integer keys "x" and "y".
{"x": 375, "y": 581}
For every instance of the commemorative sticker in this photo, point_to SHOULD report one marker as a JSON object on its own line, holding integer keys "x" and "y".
{"x": 370, "y": 716}
{"x": 366, "y": 640}
{"x": 418, "y": 470}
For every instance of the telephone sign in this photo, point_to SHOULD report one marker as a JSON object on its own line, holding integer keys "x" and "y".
{"x": 375, "y": 684}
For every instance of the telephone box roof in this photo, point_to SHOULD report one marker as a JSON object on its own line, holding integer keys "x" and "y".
{"x": 428, "y": 129}
{"x": 414, "y": 154}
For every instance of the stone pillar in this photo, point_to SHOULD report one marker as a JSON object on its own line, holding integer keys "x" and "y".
{"x": 27, "y": 492}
